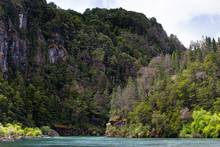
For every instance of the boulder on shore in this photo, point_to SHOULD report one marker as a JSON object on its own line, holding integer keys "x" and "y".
{"x": 47, "y": 131}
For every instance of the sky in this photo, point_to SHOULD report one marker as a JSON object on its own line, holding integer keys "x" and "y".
{"x": 188, "y": 19}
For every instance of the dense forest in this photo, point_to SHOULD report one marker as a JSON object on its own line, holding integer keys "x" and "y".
{"x": 112, "y": 72}
{"x": 175, "y": 95}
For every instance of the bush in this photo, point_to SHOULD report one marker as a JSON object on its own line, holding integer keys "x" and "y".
{"x": 11, "y": 130}
{"x": 16, "y": 130}
{"x": 138, "y": 131}
{"x": 204, "y": 124}
{"x": 32, "y": 132}
{"x": 45, "y": 129}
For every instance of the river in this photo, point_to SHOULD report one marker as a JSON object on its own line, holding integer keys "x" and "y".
{"x": 111, "y": 142}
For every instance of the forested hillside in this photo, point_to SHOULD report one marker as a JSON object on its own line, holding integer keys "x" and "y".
{"x": 61, "y": 68}
{"x": 104, "y": 71}
{"x": 175, "y": 95}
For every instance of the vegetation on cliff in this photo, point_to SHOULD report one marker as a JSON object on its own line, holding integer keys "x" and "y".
{"x": 59, "y": 67}
{"x": 168, "y": 94}
{"x": 75, "y": 72}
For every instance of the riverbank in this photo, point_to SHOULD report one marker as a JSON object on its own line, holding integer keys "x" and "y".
{"x": 109, "y": 141}
{"x": 195, "y": 124}
{"x": 12, "y": 132}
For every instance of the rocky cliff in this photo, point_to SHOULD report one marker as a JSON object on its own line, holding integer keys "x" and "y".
{"x": 21, "y": 36}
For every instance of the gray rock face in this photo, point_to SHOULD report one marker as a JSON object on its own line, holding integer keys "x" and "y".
{"x": 186, "y": 114}
{"x": 11, "y": 45}
{"x": 56, "y": 54}
{"x": 40, "y": 57}
{"x": 22, "y": 21}
{"x": 16, "y": 44}
{"x": 52, "y": 133}
{"x": 3, "y": 47}
{"x": 200, "y": 75}
{"x": 18, "y": 49}
{"x": 56, "y": 51}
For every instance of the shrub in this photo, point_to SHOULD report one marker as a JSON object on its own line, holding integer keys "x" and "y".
{"x": 16, "y": 130}
{"x": 32, "y": 132}
{"x": 204, "y": 123}
{"x": 45, "y": 129}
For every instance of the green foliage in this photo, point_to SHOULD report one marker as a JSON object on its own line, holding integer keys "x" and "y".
{"x": 2, "y": 11}
{"x": 11, "y": 130}
{"x": 204, "y": 123}
{"x": 138, "y": 131}
{"x": 183, "y": 80}
{"x": 16, "y": 131}
{"x": 32, "y": 132}
{"x": 98, "y": 54}
{"x": 133, "y": 130}
{"x": 141, "y": 113}
{"x": 217, "y": 105}
{"x": 186, "y": 131}
{"x": 45, "y": 129}
{"x": 113, "y": 61}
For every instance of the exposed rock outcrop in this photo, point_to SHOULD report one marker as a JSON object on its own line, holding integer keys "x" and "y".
{"x": 56, "y": 53}
{"x": 3, "y": 47}
{"x": 186, "y": 114}
{"x": 16, "y": 43}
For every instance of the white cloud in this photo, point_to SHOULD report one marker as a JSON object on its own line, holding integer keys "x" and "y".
{"x": 172, "y": 14}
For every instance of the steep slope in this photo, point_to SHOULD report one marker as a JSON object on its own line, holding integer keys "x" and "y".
{"x": 169, "y": 97}
{"x": 62, "y": 66}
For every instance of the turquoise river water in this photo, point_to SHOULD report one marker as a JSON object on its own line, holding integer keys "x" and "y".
{"x": 111, "y": 142}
